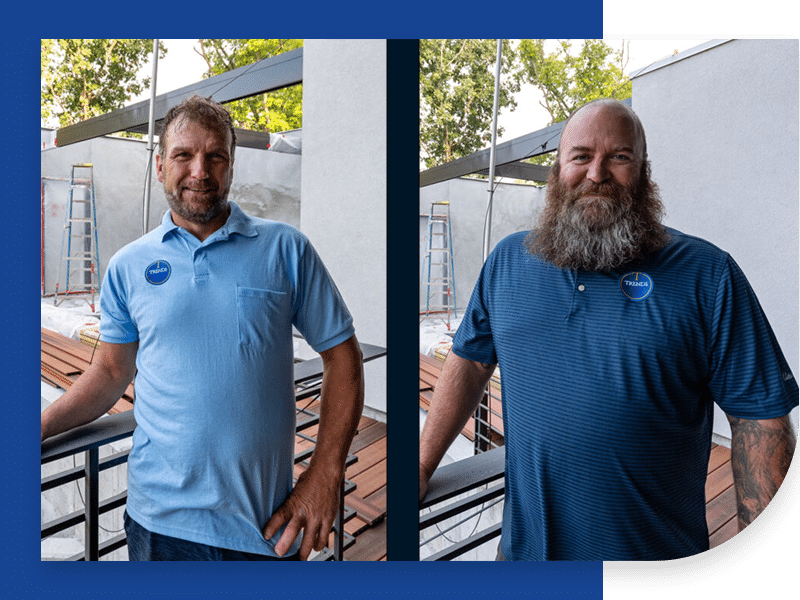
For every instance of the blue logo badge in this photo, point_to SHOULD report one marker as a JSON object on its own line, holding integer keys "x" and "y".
{"x": 158, "y": 272}
{"x": 636, "y": 286}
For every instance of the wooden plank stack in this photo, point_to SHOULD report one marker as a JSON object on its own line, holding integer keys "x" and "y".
{"x": 65, "y": 359}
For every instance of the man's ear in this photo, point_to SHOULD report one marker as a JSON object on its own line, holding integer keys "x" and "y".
{"x": 159, "y": 168}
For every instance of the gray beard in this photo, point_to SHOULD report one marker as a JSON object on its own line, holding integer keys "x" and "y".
{"x": 582, "y": 246}
{"x": 602, "y": 234}
{"x": 212, "y": 209}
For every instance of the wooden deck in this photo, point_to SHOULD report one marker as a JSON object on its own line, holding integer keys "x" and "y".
{"x": 369, "y": 497}
{"x": 720, "y": 495}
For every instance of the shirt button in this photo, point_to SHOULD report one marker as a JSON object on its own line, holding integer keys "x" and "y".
{"x": 581, "y": 287}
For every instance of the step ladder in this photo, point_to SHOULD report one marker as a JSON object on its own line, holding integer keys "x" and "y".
{"x": 437, "y": 267}
{"x": 79, "y": 254}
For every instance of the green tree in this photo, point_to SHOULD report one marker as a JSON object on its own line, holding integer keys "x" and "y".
{"x": 85, "y": 78}
{"x": 281, "y": 110}
{"x": 456, "y": 82}
{"x": 568, "y": 78}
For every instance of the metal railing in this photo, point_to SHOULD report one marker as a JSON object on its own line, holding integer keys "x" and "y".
{"x": 89, "y": 439}
{"x": 458, "y": 488}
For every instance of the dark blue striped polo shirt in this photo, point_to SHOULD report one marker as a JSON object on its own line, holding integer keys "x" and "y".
{"x": 608, "y": 383}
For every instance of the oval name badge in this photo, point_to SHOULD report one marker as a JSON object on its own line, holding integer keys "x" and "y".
{"x": 636, "y": 286}
{"x": 158, "y": 272}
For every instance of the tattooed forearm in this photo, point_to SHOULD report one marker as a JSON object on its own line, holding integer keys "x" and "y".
{"x": 761, "y": 451}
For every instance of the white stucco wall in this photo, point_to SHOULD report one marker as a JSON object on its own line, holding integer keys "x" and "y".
{"x": 515, "y": 207}
{"x": 344, "y": 181}
{"x": 722, "y": 135}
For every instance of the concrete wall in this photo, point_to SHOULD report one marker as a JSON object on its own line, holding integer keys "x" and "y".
{"x": 265, "y": 184}
{"x": 344, "y": 181}
{"x": 722, "y": 134}
{"x": 514, "y": 208}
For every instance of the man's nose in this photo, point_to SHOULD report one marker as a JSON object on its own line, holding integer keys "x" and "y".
{"x": 199, "y": 168}
{"x": 597, "y": 171}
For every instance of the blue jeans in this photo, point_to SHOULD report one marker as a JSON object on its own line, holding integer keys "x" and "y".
{"x": 146, "y": 545}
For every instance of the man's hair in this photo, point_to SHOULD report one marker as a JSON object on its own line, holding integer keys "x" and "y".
{"x": 205, "y": 111}
{"x": 637, "y": 123}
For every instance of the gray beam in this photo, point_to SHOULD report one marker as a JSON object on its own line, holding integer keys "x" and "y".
{"x": 265, "y": 75}
{"x": 245, "y": 138}
{"x": 526, "y": 146}
{"x": 520, "y": 170}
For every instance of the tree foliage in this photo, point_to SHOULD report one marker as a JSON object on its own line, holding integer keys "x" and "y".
{"x": 86, "y": 78}
{"x": 281, "y": 110}
{"x": 456, "y": 83}
{"x": 569, "y": 79}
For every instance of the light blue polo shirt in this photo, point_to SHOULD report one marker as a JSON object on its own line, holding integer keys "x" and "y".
{"x": 609, "y": 381}
{"x": 213, "y": 450}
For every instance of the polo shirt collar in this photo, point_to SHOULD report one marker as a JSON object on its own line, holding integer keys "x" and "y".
{"x": 238, "y": 222}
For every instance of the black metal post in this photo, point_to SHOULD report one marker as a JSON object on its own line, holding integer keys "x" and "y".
{"x": 338, "y": 527}
{"x": 482, "y": 431}
{"x": 92, "y": 489}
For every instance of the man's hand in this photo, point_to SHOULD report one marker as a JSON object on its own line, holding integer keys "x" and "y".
{"x": 761, "y": 451}
{"x": 311, "y": 507}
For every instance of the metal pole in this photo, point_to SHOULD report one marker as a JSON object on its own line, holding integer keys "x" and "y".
{"x": 338, "y": 527}
{"x": 487, "y": 227}
{"x": 91, "y": 471}
{"x": 151, "y": 121}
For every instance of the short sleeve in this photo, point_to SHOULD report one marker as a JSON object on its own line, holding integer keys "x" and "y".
{"x": 116, "y": 325}
{"x": 320, "y": 313}
{"x": 749, "y": 376}
{"x": 473, "y": 339}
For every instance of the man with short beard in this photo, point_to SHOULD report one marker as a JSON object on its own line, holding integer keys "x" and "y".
{"x": 201, "y": 309}
{"x": 614, "y": 336}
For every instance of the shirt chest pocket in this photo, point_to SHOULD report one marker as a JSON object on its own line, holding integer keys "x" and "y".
{"x": 264, "y": 317}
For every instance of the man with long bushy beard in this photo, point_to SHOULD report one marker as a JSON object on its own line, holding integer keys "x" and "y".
{"x": 614, "y": 336}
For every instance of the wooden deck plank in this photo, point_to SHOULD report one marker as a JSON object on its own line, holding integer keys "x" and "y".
{"x": 370, "y": 545}
{"x": 367, "y": 436}
{"x": 720, "y": 510}
{"x": 371, "y": 479}
{"x": 366, "y": 510}
{"x": 367, "y": 457}
{"x": 720, "y": 497}
{"x": 723, "y": 534}
{"x": 718, "y": 457}
{"x": 378, "y": 498}
{"x": 719, "y": 480}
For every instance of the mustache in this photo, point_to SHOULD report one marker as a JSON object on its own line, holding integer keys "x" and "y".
{"x": 609, "y": 189}
{"x": 200, "y": 186}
